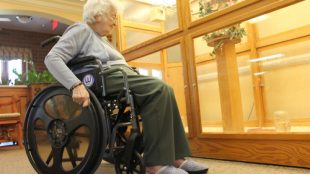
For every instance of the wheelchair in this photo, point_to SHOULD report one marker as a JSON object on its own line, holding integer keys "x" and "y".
{"x": 62, "y": 137}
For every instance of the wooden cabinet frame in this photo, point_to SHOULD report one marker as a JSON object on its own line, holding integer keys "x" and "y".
{"x": 290, "y": 149}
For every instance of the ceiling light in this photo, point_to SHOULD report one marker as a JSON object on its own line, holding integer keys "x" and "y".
{"x": 24, "y": 19}
{"x": 267, "y": 58}
{"x": 5, "y": 20}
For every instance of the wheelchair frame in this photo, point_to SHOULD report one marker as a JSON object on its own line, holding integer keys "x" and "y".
{"x": 124, "y": 151}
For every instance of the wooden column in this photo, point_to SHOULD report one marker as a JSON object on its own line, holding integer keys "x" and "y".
{"x": 228, "y": 77}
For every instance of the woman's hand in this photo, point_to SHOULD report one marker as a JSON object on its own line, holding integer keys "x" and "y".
{"x": 80, "y": 95}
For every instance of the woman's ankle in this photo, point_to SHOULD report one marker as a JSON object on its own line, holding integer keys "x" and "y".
{"x": 153, "y": 169}
{"x": 178, "y": 162}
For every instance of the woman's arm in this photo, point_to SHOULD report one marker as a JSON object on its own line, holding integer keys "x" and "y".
{"x": 68, "y": 47}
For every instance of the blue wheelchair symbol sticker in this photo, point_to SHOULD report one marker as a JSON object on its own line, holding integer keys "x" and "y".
{"x": 88, "y": 80}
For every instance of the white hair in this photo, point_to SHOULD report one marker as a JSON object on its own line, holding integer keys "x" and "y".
{"x": 93, "y": 8}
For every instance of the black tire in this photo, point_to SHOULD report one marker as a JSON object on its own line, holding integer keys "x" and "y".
{"x": 57, "y": 131}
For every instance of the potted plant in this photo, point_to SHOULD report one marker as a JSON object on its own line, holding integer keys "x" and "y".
{"x": 36, "y": 81}
{"x": 216, "y": 39}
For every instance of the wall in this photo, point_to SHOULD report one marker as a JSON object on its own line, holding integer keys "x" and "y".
{"x": 13, "y": 38}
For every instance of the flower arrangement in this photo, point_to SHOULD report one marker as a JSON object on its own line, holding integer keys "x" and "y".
{"x": 232, "y": 32}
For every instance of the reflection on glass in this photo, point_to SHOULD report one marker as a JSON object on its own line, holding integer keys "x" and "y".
{"x": 138, "y": 36}
{"x": 209, "y": 97}
{"x": 285, "y": 86}
{"x": 143, "y": 20}
{"x": 271, "y": 24}
{"x": 272, "y": 80}
{"x": 166, "y": 65}
{"x": 201, "y": 8}
{"x": 209, "y": 43}
{"x": 246, "y": 87}
{"x": 174, "y": 77}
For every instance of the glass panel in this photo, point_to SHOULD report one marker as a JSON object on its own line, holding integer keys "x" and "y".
{"x": 264, "y": 92}
{"x": 166, "y": 65}
{"x": 246, "y": 87}
{"x": 209, "y": 96}
{"x": 272, "y": 23}
{"x": 208, "y": 82}
{"x": 174, "y": 54}
{"x": 136, "y": 37}
{"x": 286, "y": 81}
{"x": 148, "y": 16}
{"x": 201, "y": 8}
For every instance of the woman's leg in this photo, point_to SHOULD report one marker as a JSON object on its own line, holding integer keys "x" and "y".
{"x": 164, "y": 136}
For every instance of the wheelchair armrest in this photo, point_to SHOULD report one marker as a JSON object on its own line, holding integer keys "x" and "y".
{"x": 81, "y": 61}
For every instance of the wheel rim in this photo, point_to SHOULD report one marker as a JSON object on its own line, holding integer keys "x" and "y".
{"x": 62, "y": 137}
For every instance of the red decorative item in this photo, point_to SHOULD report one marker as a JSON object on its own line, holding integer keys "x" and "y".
{"x": 54, "y": 24}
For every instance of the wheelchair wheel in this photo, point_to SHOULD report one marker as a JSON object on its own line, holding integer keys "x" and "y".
{"x": 136, "y": 166}
{"x": 62, "y": 137}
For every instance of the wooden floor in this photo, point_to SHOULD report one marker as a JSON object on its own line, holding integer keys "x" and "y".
{"x": 14, "y": 161}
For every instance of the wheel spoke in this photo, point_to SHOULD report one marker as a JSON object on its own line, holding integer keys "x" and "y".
{"x": 57, "y": 156}
{"x": 49, "y": 158}
{"x": 40, "y": 114}
{"x": 72, "y": 158}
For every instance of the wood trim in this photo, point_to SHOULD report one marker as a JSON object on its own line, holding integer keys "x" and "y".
{"x": 279, "y": 44}
{"x": 257, "y": 80}
{"x": 188, "y": 74}
{"x": 140, "y": 26}
{"x": 146, "y": 65}
{"x": 242, "y": 14}
{"x": 286, "y": 36}
{"x": 257, "y": 136}
{"x": 148, "y": 50}
{"x": 173, "y": 65}
{"x": 220, "y": 124}
{"x": 219, "y": 13}
{"x": 193, "y": 117}
{"x": 119, "y": 33}
{"x": 279, "y": 149}
{"x": 293, "y": 122}
{"x": 163, "y": 61}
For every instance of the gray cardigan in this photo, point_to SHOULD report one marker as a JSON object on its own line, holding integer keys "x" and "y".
{"x": 79, "y": 40}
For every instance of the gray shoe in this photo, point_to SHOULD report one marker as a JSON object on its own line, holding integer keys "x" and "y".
{"x": 170, "y": 170}
{"x": 193, "y": 167}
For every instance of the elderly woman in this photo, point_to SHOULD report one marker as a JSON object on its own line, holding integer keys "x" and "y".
{"x": 164, "y": 138}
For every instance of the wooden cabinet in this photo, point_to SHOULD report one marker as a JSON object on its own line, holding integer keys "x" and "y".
{"x": 13, "y": 104}
{"x": 34, "y": 89}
